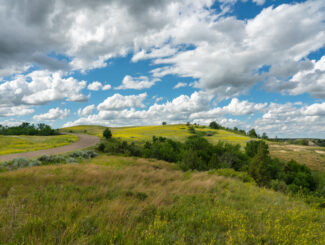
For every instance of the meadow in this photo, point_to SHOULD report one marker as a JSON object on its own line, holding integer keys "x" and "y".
{"x": 313, "y": 157}
{"x": 121, "y": 200}
{"x": 177, "y": 132}
{"x": 22, "y": 143}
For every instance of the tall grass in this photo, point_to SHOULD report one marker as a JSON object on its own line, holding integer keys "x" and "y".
{"x": 149, "y": 202}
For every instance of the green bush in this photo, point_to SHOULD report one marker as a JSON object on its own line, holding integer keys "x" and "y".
{"x": 107, "y": 133}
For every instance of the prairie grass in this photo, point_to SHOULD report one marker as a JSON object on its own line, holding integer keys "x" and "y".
{"x": 16, "y": 144}
{"x": 142, "y": 201}
{"x": 311, "y": 156}
{"x": 85, "y": 129}
{"x": 308, "y": 155}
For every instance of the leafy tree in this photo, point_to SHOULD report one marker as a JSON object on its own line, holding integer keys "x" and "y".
{"x": 107, "y": 133}
{"x": 214, "y": 125}
{"x": 251, "y": 147}
{"x": 264, "y": 136}
{"x": 164, "y": 123}
{"x": 258, "y": 166}
{"x": 252, "y": 133}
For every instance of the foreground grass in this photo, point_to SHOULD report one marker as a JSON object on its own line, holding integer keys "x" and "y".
{"x": 22, "y": 143}
{"x": 140, "y": 201}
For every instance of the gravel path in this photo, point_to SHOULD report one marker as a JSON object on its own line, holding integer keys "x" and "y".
{"x": 83, "y": 142}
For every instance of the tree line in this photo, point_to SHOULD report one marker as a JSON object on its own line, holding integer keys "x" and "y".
{"x": 196, "y": 153}
{"x": 28, "y": 129}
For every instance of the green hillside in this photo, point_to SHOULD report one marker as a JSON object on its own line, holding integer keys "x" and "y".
{"x": 313, "y": 157}
{"x": 177, "y": 132}
{"x": 121, "y": 200}
{"x": 22, "y": 143}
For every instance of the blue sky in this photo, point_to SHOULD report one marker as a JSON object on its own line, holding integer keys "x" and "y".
{"x": 250, "y": 64}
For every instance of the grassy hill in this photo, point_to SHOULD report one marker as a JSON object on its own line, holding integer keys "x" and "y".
{"x": 177, "y": 132}
{"x": 23, "y": 143}
{"x": 121, "y": 200}
{"x": 313, "y": 157}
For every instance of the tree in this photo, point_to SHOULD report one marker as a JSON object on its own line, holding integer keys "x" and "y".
{"x": 107, "y": 133}
{"x": 214, "y": 125}
{"x": 264, "y": 136}
{"x": 164, "y": 123}
{"x": 259, "y": 166}
{"x": 251, "y": 147}
{"x": 252, "y": 133}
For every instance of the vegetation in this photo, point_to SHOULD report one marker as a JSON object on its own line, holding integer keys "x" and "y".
{"x": 148, "y": 202}
{"x": 28, "y": 129}
{"x": 22, "y": 143}
{"x": 107, "y": 133}
{"x": 73, "y": 157}
{"x": 313, "y": 157}
{"x": 198, "y": 154}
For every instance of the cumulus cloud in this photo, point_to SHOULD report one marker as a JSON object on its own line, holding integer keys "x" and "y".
{"x": 12, "y": 111}
{"x": 292, "y": 120}
{"x": 138, "y": 83}
{"x": 95, "y": 86}
{"x": 52, "y": 115}
{"x": 40, "y": 87}
{"x": 86, "y": 111}
{"x": 118, "y": 101}
{"x": 106, "y": 87}
{"x": 232, "y": 53}
{"x": 180, "y": 85}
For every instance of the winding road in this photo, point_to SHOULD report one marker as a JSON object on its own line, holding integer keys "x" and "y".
{"x": 84, "y": 141}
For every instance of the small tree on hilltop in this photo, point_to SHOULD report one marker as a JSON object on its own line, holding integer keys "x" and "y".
{"x": 107, "y": 133}
{"x": 252, "y": 133}
{"x": 214, "y": 125}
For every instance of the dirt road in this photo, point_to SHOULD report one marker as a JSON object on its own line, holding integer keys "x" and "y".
{"x": 83, "y": 142}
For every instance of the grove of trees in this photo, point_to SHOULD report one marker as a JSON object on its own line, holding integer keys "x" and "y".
{"x": 28, "y": 129}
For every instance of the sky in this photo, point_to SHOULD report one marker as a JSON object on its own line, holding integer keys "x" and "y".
{"x": 243, "y": 63}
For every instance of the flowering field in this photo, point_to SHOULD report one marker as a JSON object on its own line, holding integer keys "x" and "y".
{"x": 141, "y": 201}
{"x": 22, "y": 143}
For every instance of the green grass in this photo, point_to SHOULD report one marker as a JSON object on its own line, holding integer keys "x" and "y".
{"x": 85, "y": 129}
{"x": 16, "y": 144}
{"x": 141, "y": 201}
{"x": 177, "y": 132}
{"x": 308, "y": 155}
{"x": 313, "y": 157}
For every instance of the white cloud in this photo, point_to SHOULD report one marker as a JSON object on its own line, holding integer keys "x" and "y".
{"x": 107, "y": 87}
{"x": 12, "y": 111}
{"x": 138, "y": 83}
{"x": 230, "y": 53}
{"x": 244, "y": 107}
{"x": 259, "y": 2}
{"x": 95, "y": 86}
{"x": 291, "y": 120}
{"x": 52, "y": 115}
{"x": 40, "y": 87}
{"x": 118, "y": 102}
{"x": 154, "y": 53}
{"x": 180, "y": 85}
{"x": 86, "y": 111}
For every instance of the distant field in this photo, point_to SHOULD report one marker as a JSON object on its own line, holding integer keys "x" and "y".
{"x": 313, "y": 157}
{"x": 141, "y": 201}
{"x": 85, "y": 129}
{"x": 22, "y": 143}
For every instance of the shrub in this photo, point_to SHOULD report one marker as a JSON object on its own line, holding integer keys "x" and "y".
{"x": 107, "y": 133}
{"x": 214, "y": 125}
